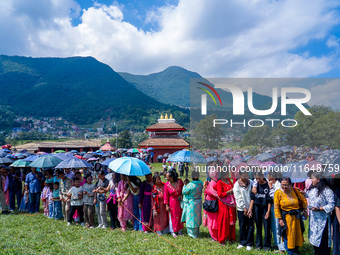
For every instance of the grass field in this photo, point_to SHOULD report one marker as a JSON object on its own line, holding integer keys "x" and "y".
{"x": 35, "y": 234}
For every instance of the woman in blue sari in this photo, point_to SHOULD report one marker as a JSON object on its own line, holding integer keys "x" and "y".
{"x": 192, "y": 209}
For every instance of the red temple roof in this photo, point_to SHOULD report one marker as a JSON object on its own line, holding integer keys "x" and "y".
{"x": 165, "y": 127}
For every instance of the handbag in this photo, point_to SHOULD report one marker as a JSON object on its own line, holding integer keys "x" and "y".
{"x": 210, "y": 205}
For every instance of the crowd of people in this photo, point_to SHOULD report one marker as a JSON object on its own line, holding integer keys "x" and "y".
{"x": 258, "y": 203}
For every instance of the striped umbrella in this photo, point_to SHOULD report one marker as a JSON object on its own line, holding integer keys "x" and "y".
{"x": 74, "y": 163}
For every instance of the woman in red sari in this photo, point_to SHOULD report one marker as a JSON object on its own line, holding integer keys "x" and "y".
{"x": 172, "y": 195}
{"x": 160, "y": 215}
{"x": 226, "y": 209}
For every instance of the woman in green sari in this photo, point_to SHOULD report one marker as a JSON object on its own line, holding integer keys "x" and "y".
{"x": 192, "y": 209}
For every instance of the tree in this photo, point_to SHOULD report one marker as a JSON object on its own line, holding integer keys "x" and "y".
{"x": 260, "y": 136}
{"x": 205, "y": 135}
{"x": 138, "y": 138}
{"x": 124, "y": 139}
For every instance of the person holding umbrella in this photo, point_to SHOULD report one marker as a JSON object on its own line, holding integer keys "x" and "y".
{"x": 33, "y": 189}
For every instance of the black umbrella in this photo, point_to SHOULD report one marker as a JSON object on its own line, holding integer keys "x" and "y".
{"x": 160, "y": 158}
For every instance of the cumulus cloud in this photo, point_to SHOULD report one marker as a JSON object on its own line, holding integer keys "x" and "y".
{"x": 215, "y": 38}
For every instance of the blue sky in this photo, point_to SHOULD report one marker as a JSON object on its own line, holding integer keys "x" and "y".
{"x": 216, "y": 38}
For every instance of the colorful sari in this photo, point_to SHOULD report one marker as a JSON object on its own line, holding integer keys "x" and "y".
{"x": 161, "y": 220}
{"x": 145, "y": 201}
{"x": 124, "y": 212}
{"x": 227, "y": 212}
{"x": 212, "y": 217}
{"x": 172, "y": 198}
{"x": 192, "y": 211}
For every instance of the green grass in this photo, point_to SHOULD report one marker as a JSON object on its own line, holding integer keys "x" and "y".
{"x": 35, "y": 234}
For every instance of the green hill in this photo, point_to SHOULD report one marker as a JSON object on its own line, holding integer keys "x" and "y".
{"x": 80, "y": 89}
{"x": 172, "y": 86}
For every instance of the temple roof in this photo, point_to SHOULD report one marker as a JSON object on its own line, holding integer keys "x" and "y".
{"x": 165, "y": 127}
{"x": 164, "y": 143}
{"x": 108, "y": 147}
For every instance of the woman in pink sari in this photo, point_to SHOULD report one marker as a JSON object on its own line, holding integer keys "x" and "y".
{"x": 210, "y": 193}
{"x": 172, "y": 195}
{"x": 125, "y": 202}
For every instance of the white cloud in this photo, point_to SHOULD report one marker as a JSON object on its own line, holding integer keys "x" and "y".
{"x": 214, "y": 38}
{"x": 326, "y": 94}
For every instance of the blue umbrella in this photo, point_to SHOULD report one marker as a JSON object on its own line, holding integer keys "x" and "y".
{"x": 149, "y": 149}
{"x": 45, "y": 162}
{"x": 245, "y": 158}
{"x": 73, "y": 163}
{"x": 264, "y": 156}
{"x": 211, "y": 159}
{"x": 187, "y": 156}
{"x": 108, "y": 161}
{"x": 130, "y": 166}
{"x": 31, "y": 158}
{"x": 295, "y": 171}
{"x": 64, "y": 156}
{"x": 328, "y": 157}
{"x": 5, "y": 160}
{"x": 3, "y": 154}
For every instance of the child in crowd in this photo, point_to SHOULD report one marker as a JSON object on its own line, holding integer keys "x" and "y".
{"x": 57, "y": 211}
{"x": 76, "y": 196}
{"x": 44, "y": 198}
{"x": 88, "y": 198}
{"x": 50, "y": 203}
{"x": 24, "y": 205}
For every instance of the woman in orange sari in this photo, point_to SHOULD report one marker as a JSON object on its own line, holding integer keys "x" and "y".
{"x": 286, "y": 207}
{"x": 227, "y": 210}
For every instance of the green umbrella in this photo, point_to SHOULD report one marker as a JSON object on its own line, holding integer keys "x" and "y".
{"x": 20, "y": 163}
{"x": 45, "y": 162}
{"x": 59, "y": 151}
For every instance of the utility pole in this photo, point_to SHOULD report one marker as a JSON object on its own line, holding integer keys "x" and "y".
{"x": 116, "y": 135}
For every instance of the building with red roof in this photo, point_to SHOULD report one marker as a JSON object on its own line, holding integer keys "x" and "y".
{"x": 164, "y": 137}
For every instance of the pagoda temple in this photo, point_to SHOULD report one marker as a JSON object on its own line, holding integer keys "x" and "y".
{"x": 164, "y": 137}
